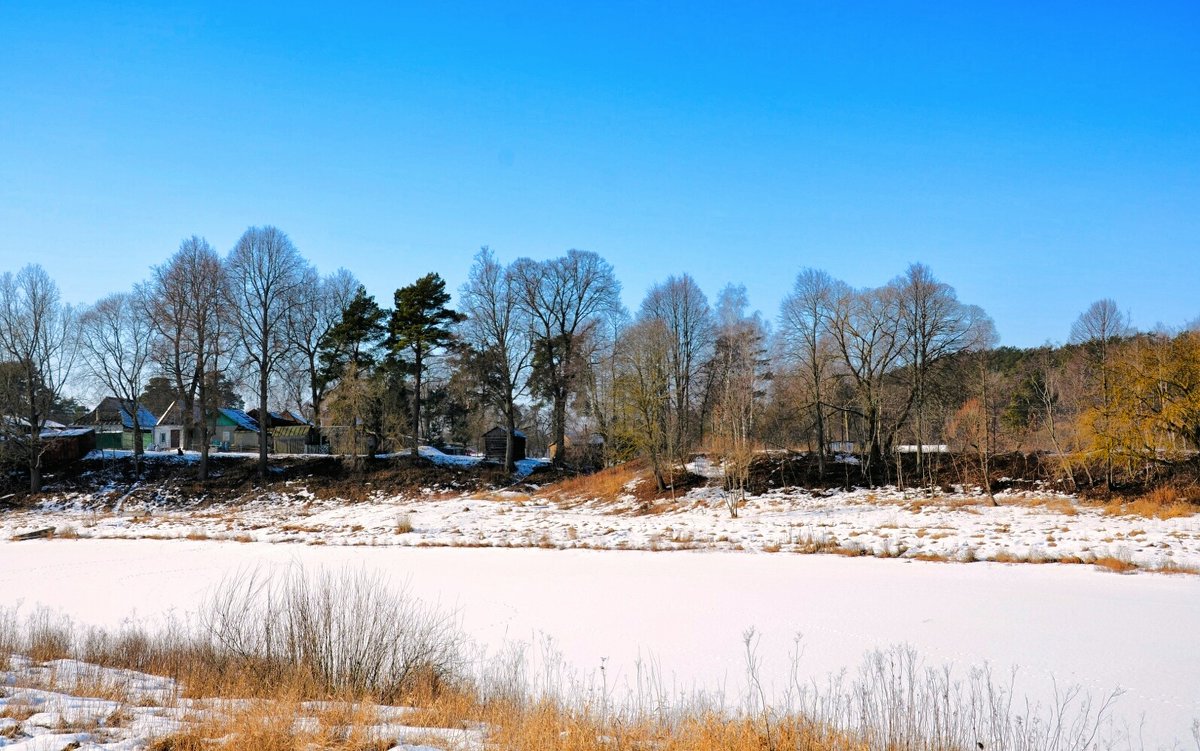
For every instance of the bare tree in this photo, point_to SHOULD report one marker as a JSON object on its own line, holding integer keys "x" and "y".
{"x": 499, "y": 330}
{"x": 265, "y": 272}
{"x": 644, "y": 354}
{"x": 972, "y": 423}
{"x": 39, "y": 340}
{"x": 183, "y": 304}
{"x": 565, "y": 297}
{"x": 934, "y": 326}
{"x": 117, "y": 348}
{"x": 804, "y": 320}
{"x": 683, "y": 309}
{"x": 1097, "y": 329}
{"x": 318, "y": 309}
{"x": 865, "y": 328}
{"x": 737, "y": 381}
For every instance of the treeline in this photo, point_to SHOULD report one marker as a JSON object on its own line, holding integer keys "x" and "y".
{"x": 852, "y": 377}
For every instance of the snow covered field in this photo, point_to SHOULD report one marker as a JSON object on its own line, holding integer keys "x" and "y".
{"x": 1036, "y": 527}
{"x": 682, "y": 616}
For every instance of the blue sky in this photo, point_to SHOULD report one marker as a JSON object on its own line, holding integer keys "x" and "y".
{"x": 1036, "y": 156}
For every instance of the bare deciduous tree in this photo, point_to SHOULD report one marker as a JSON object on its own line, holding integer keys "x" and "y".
{"x": 39, "y": 340}
{"x": 737, "y": 380}
{"x": 865, "y": 327}
{"x": 804, "y": 322}
{"x": 644, "y": 364}
{"x": 565, "y": 297}
{"x": 183, "y": 304}
{"x": 499, "y": 330}
{"x": 934, "y": 325}
{"x": 683, "y": 309}
{"x": 318, "y": 308}
{"x": 117, "y": 347}
{"x": 1096, "y": 329}
{"x": 265, "y": 272}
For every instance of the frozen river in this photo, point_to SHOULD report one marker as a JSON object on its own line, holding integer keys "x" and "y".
{"x": 686, "y": 611}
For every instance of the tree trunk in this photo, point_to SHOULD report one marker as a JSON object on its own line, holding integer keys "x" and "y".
{"x": 316, "y": 396}
{"x": 35, "y": 440}
{"x": 263, "y": 423}
{"x": 416, "y": 408}
{"x": 204, "y": 437}
{"x": 138, "y": 449}
{"x": 189, "y": 423}
{"x": 820, "y": 424}
{"x": 510, "y": 464}
{"x": 560, "y": 426}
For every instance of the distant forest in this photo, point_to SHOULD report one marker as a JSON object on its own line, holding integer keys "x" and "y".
{"x": 887, "y": 379}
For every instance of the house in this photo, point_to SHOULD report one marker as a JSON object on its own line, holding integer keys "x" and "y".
{"x": 112, "y": 419}
{"x": 60, "y": 445}
{"x": 168, "y": 431}
{"x": 289, "y": 418}
{"x": 290, "y": 432}
{"x": 495, "y": 444}
{"x": 234, "y": 430}
{"x": 66, "y": 446}
{"x": 587, "y": 448}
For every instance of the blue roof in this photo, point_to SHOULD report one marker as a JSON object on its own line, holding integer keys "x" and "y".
{"x": 241, "y": 419}
{"x": 146, "y": 418}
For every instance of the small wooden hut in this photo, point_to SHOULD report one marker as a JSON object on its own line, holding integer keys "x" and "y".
{"x": 495, "y": 443}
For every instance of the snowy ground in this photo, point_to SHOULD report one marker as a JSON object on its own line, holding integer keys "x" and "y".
{"x": 681, "y": 617}
{"x": 67, "y": 704}
{"x": 1037, "y": 527}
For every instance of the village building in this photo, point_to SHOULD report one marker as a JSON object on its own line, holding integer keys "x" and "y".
{"x": 112, "y": 420}
{"x": 235, "y": 430}
{"x": 495, "y": 444}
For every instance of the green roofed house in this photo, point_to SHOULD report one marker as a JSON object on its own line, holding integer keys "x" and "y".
{"x": 234, "y": 430}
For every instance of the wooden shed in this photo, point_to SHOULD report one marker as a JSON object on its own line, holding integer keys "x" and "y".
{"x": 495, "y": 443}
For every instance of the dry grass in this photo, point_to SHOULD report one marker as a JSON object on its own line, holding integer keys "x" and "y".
{"x": 606, "y": 485}
{"x": 1160, "y": 503}
{"x": 1114, "y": 564}
{"x": 1064, "y": 506}
{"x": 404, "y": 524}
{"x": 549, "y": 725}
{"x": 281, "y": 723}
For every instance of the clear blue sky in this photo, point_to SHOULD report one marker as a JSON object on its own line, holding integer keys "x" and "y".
{"x": 1036, "y": 156}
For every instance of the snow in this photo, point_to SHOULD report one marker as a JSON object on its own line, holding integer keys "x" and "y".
{"x": 682, "y": 615}
{"x": 448, "y": 460}
{"x": 524, "y": 466}
{"x": 886, "y": 522}
{"x": 51, "y": 719}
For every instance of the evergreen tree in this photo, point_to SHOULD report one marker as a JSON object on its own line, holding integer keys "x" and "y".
{"x": 158, "y": 395}
{"x": 420, "y": 325}
{"x": 354, "y": 338}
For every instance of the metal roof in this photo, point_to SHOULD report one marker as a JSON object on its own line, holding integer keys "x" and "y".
{"x": 240, "y": 418}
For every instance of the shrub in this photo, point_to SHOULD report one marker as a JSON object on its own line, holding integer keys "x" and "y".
{"x": 343, "y": 632}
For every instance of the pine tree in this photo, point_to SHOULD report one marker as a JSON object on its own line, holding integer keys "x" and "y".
{"x": 420, "y": 325}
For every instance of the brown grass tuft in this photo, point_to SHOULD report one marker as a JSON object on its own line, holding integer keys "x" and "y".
{"x": 404, "y": 524}
{"x": 606, "y": 485}
{"x": 1160, "y": 503}
{"x": 1116, "y": 565}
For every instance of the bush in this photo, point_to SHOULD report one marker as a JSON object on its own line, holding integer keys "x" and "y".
{"x": 346, "y": 633}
